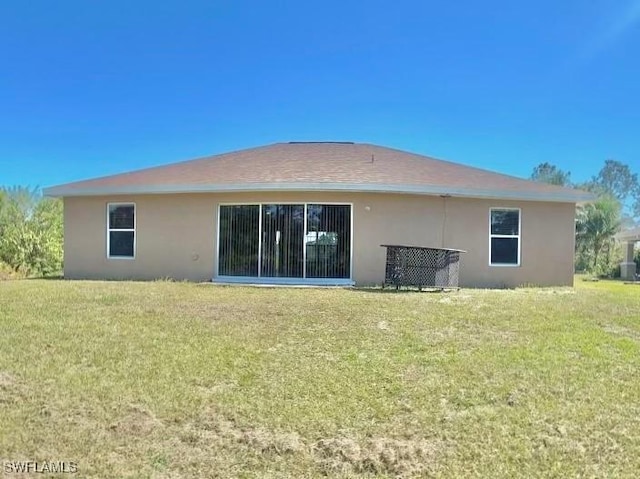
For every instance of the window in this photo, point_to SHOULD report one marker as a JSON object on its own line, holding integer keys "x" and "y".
{"x": 281, "y": 238}
{"x": 328, "y": 241}
{"x": 121, "y": 230}
{"x": 504, "y": 241}
{"x": 308, "y": 241}
{"x": 239, "y": 240}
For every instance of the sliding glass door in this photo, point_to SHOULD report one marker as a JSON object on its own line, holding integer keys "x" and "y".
{"x": 285, "y": 241}
{"x": 328, "y": 241}
{"x": 282, "y": 232}
{"x": 238, "y": 240}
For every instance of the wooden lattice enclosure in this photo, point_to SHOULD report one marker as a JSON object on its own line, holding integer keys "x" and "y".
{"x": 422, "y": 267}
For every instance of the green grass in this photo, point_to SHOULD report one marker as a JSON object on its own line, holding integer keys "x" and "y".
{"x": 169, "y": 380}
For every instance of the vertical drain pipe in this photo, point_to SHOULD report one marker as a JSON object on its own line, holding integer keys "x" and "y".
{"x": 444, "y": 218}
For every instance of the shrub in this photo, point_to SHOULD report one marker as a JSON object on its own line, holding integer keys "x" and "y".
{"x": 30, "y": 232}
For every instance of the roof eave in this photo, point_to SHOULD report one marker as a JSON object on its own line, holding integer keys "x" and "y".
{"x": 432, "y": 190}
{"x": 632, "y": 235}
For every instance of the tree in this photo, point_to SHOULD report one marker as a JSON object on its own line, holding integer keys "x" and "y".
{"x": 596, "y": 225}
{"x": 3, "y": 206}
{"x": 617, "y": 179}
{"x": 30, "y": 231}
{"x": 618, "y": 191}
{"x": 548, "y": 173}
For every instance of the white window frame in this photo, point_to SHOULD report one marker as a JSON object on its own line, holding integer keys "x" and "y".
{"x": 134, "y": 230}
{"x": 518, "y": 236}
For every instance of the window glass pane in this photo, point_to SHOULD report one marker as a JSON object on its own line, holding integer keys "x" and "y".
{"x": 121, "y": 243}
{"x": 121, "y": 216}
{"x": 504, "y": 250}
{"x": 282, "y": 247}
{"x": 505, "y": 222}
{"x": 328, "y": 241}
{"x": 239, "y": 236}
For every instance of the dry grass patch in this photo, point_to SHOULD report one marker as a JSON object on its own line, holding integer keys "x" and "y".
{"x": 8, "y": 273}
{"x": 388, "y": 456}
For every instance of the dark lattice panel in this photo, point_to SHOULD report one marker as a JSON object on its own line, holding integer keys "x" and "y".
{"x": 422, "y": 267}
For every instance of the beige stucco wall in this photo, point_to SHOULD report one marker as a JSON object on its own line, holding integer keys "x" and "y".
{"x": 176, "y": 235}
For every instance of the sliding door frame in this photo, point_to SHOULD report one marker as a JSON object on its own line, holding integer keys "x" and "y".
{"x": 259, "y": 279}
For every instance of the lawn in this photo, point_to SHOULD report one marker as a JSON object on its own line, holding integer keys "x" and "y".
{"x": 168, "y": 380}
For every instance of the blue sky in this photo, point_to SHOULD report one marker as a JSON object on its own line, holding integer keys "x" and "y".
{"x": 95, "y": 88}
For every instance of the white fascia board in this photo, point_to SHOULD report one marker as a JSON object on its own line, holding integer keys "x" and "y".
{"x": 434, "y": 190}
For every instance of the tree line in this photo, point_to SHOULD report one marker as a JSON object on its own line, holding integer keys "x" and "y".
{"x": 30, "y": 233}
{"x": 617, "y": 206}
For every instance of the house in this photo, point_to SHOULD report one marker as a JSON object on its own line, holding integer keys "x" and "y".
{"x": 315, "y": 213}
{"x": 629, "y": 238}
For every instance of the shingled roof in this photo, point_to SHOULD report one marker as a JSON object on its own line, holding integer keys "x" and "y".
{"x": 321, "y": 166}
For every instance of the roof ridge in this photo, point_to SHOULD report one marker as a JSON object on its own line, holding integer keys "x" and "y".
{"x": 321, "y": 142}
